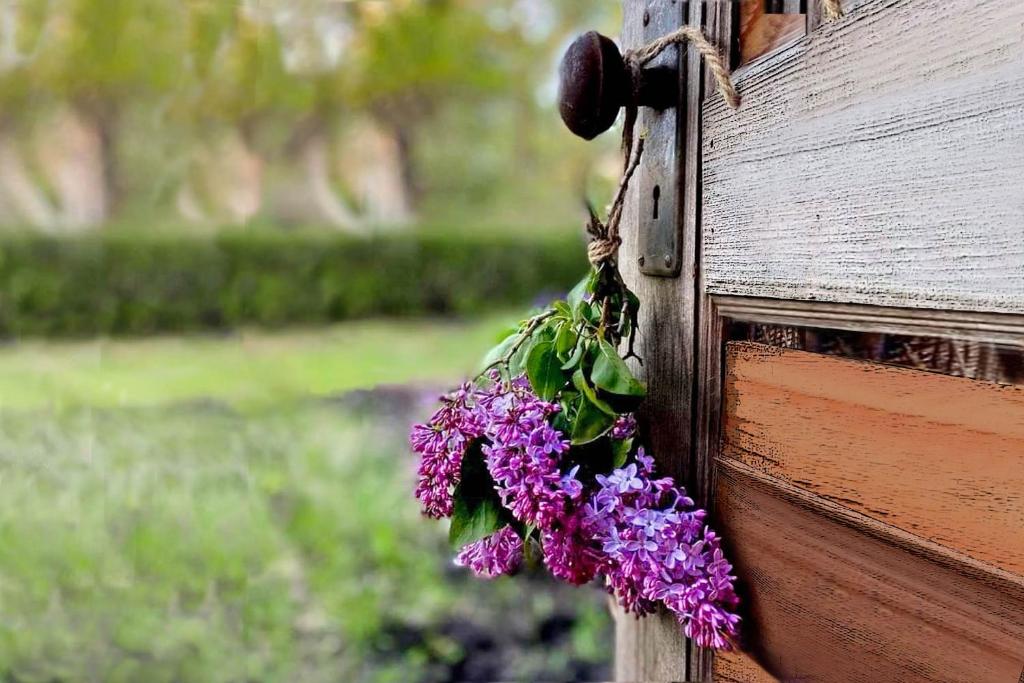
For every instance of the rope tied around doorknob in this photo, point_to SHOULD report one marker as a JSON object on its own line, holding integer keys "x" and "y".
{"x": 640, "y": 57}
{"x": 605, "y": 239}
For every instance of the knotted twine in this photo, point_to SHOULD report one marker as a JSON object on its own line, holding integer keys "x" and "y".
{"x": 605, "y": 242}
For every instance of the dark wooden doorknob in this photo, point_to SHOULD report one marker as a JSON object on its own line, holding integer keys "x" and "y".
{"x": 594, "y": 83}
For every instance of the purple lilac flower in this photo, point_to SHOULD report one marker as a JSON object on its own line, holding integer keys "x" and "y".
{"x": 524, "y": 454}
{"x": 441, "y": 444}
{"x": 657, "y": 549}
{"x": 569, "y": 549}
{"x": 641, "y": 533}
{"x": 497, "y": 554}
{"x": 624, "y": 428}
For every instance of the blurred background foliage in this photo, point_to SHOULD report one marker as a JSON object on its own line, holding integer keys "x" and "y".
{"x": 352, "y": 115}
{"x": 277, "y": 544}
{"x": 227, "y": 503}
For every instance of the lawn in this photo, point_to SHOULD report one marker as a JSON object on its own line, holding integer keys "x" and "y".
{"x": 148, "y": 533}
{"x": 246, "y": 368}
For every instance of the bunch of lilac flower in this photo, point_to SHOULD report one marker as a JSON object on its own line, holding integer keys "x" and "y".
{"x": 441, "y": 444}
{"x": 657, "y": 549}
{"x": 524, "y": 452}
{"x": 642, "y": 534}
{"x": 497, "y": 554}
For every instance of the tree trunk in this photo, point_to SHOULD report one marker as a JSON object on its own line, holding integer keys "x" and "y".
{"x": 225, "y": 182}
{"x": 368, "y": 162}
{"x": 407, "y": 164}
{"x": 73, "y": 157}
{"x": 307, "y": 194}
{"x": 21, "y": 196}
{"x": 103, "y": 116}
{"x": 315, "y": 158}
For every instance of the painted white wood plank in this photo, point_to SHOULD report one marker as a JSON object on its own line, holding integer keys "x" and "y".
{"x": 880, "y": 161}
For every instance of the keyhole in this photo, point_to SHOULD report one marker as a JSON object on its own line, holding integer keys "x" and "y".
{"x": 656, "y": 195}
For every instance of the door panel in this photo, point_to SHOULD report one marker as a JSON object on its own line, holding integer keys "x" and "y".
{"x": 835, "y": 596}
{"x": 941, "y": 457}
{"x": 761, "y": 32}
{"x": 868, "y": 184}
{"x": 876, "y": 161}
{"x": 876, "y": 516}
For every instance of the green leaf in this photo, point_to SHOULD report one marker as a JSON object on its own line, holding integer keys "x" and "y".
{"x": 499, "y": 351}
{"x": 590, "y": 313}
{"x": 591, "y": 423}
{"x": 612, "y": 374}
{"x": 565, "y": 341}
{"x": 546, "y": 330}
{"x": 576, "y": 294}
{"x": 620, "y": 451}
{"x": 545, "y": 370}
{"x": 579, "y": 381}
{"x": 564, "y": 310}
{"x": 473, "y": 519}
{"x": 576, "y": 357}
{"x": 478, "y": 511}
{"x": 517, "y": 363}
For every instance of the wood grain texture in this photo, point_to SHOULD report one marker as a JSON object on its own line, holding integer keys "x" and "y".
{"x": 988, "y": 327}
{"x": 940, "y": 457}
{"x": 761, "y": 33}
{"x": 649, "y": 649}
{"x": 876, "y": 161}
{"x": 739, "y": 667}
{"x": 832, "y": 595}
{"x": 654, "y": 649}
{"x": 722, "y": 28}
{"x": 816, "y": 13}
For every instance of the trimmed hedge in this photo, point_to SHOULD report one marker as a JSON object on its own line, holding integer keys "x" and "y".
{"x": 124, "y": 284}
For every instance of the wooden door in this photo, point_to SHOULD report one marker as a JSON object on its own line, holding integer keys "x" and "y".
{"x": 838, "y": 372}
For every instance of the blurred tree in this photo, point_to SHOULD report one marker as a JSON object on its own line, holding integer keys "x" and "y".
{"x": 237, "y": 82}
{"x": 410, "y": 60}
{"x": 312, "y": 110}
{"x": 100, "y": 56}
{"x": 21, "y": 27}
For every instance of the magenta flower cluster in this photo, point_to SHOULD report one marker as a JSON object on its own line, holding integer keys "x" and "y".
{"x": 441, "y": 443}
{"x": 523, "y": 453}
{"x": 641, "y": 533}
{"x": 500, "y": 553}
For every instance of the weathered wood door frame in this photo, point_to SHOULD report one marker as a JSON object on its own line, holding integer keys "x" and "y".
{"x": 671, "y": 326}
{"x": 682, "y": 339}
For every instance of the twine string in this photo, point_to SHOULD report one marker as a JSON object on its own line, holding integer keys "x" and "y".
{"x": 605, "y": 239}
{"x": 644, "y": 55}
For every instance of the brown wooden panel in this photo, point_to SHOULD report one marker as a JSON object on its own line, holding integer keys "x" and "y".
{"x": 832, "y": 595}
{"x": 761, "y": 33}
{"x": 878, "y": 160}
{"x": 941, "y": 457}
{"x": 738, "y": 667}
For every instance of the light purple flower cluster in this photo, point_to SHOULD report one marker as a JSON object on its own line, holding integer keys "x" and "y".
{"x": 497, "y": 554}
{"x": 658, "y": 549}
{"x": 524, "y": 453}
{"x": 641, "y": 533}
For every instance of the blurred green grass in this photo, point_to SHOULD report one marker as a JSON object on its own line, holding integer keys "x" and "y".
{"x": 195, "y": 509}
{"x": 198, "y": 545}
{"x": 250, "y": 368}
